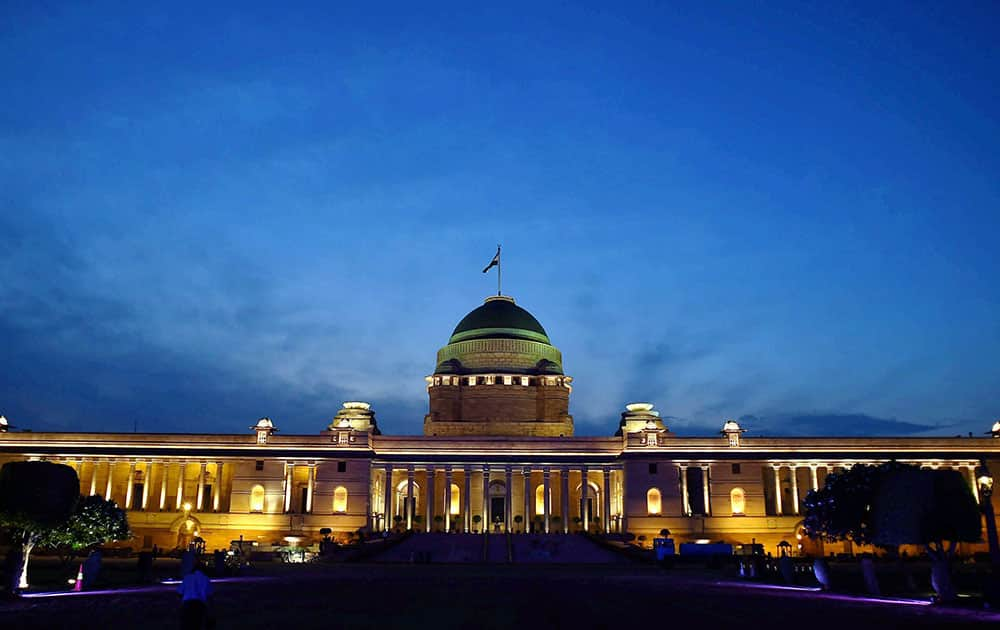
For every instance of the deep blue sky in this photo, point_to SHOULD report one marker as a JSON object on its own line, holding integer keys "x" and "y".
{"x": 777, "y": 211}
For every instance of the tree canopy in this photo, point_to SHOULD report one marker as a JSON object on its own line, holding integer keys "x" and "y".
{"x": 893, "y": 504}
{"x": 95, "y": 521}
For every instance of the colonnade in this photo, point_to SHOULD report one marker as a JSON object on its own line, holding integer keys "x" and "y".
{"x": 496, "y": 481}
{"x": 143, "y": 468}
{"x": 796, "y": 508}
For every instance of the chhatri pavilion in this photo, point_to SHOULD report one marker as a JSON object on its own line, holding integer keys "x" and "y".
{"x": 497, "y": 448}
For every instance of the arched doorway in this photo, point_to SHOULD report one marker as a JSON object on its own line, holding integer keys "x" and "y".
{"x": 590, "y": 510}
{"x": 498, "y": 505}
{"x": 402, "y": 508}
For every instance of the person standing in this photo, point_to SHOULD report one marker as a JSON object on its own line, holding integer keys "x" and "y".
{"x": 196, "y": 593}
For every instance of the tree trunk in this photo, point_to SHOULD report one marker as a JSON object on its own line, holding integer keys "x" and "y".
{"x": 941, "y": 572}
{"x": 871, "y": 579}
{"x": 22, "y": 570}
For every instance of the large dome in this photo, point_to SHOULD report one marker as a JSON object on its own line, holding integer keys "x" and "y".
{"x": 499, "y": 318}
{"x": 499, "y": 337}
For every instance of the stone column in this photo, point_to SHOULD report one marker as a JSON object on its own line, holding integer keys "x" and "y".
{"x": 508, "y": 508}
{"x": 706, "y": 492}
{"x": 447, "y": 498}
{"x": 546, "y": 497}
{"x": 129, "y": 484}
{"x": 163, "y": 485}
{"x": 623, "y": 516}
{"x": 217, "y": 488}
{"x": 289, "y": 477}
{"x": 564, "y": 503}
{"x": 685, "y": 500}
{"x": 777, "y": 489}
{"x": 528, "y": 495}
{"x": 409, "y": 497}
{"x": 486, "y": 498}
{"x": 107, "y": 491}
{"x": 795, "y": 489}
{"x": 93, "y": 479}
{"x": 310, "y": 487}
{"x": 387, "y": 500}
{"x": 200, "y": 497}
{"x": 584, "y": 493}
{"x": 467, "y": 500}
{"x": 606, "y": 520}
{"x": 973, "y": 482}
{"x": 430, "y": 498}
{"x": 180, "y": 486}
{"x": 814, "y": 477}
{"x": 147, "y": 480}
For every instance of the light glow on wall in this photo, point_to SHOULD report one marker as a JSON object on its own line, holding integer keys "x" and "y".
{"x": 340, "y": 499}
{"x": 257, "y": 499}
{"x": 738, "y": 500}
{"x": 654, "y": 502}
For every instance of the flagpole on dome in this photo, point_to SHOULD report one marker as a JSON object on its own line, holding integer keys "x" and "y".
{"x": 495, "y": 263}
{"x": 499, "y": 293}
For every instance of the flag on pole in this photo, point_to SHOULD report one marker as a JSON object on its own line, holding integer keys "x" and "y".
{"x": 495, "y": 262}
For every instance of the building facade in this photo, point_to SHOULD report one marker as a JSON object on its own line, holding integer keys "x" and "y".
{"x": 498, "y": 453}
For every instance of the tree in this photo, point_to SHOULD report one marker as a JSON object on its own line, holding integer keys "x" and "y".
{"x": 932, "y": 508}
{"x": 35, "y": 498}
{"x": 895, "y": 504}
{"x": 476, "y": 520}
{"x": 841, "y": 509}
{"x": 95, "y": 521}
{"x": 518, "y": 519}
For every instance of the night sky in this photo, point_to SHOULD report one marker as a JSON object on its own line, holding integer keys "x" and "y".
{"x": 780, "y": 213}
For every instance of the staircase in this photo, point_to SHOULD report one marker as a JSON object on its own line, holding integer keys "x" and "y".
{"x": 561, "y": 549}
{"x": 457, "y": 548}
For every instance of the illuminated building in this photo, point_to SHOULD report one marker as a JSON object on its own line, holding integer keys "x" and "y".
{"x": 498, "y": 444}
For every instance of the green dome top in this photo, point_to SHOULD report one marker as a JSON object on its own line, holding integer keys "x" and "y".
{"x": 499, "y": 318}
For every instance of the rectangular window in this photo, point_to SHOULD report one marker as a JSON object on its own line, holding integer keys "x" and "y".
{"x": 736, "y": 469}
{"x": 652, "y": 469}
{"x": 472, "y": 380}
{"x": 261, "y": 437}
{"x": 259, "y": 465}
{"x": 341, "y": 466}
{"x": 524, "y": 381}
{"x": 508, "y": 380}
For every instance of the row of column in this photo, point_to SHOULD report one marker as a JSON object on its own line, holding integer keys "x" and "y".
{"x": 814, "y": 480}
{"x": 290, "y": 484}
{"x": 199, "y": 499}
{"x": 685, "y": 495}
{"x": 508, "y": 471}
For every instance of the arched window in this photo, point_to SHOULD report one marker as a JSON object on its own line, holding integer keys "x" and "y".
{"x": 540, "y": 499}
{"x": 455, "y": 503}
{"x": 653, "y": 503}
{"x": 257, "y": 499}
{"x": 738, "y": 500}
{"x": 340, "y": 499}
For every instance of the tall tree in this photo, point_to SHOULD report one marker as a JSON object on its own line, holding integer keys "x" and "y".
{"x": 35, "y": 497}
{"x": 932, "y": 508}
{"x": 896, "y": 504}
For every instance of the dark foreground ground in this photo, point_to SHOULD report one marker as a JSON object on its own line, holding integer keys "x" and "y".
{"x": 484, "y": 596}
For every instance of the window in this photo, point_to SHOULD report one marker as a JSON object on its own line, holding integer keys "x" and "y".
{"x": 652, "y": 469}
{"x": 259, "y": 465}
{"x": 653, "y": 503}
{"x": 257, "y": 499}
{"x": 736, "y": 469}
{"x": 456, "y": 504}
{"x": 524, "y": 381}
{"x": 341, "y": 466}
{"x": 472, "y": 380}
{"x": 262, "y": 437}
{"x": 340, "y": 499}
{"x": 738, "y": 500}
{"x": 540, "y": 499}
{"x": 508, "y": 380}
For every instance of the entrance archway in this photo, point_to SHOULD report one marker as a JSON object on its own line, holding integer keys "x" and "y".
{"x": 498, "y": 505}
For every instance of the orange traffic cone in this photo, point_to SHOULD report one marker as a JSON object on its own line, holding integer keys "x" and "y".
{"x": 79, "y": 580}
